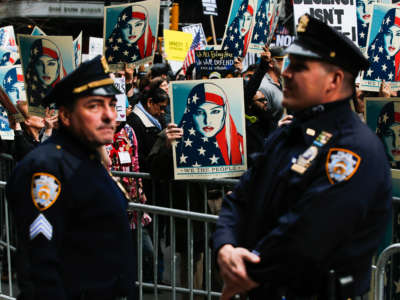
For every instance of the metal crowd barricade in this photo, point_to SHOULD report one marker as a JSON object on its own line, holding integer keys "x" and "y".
{"x": 7, "y": 234}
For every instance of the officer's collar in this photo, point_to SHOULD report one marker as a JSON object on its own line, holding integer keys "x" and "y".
{"x": 316, "y": 110}
{"x": 73, "y": 144}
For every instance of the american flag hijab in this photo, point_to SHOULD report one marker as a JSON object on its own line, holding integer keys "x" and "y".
{"x": 197, "y": 150}
{"x": 118, "y": 49}
{"x": 263, "y": 23}
{"x": 383, "y": 65}
{"x": 37, "y": 89}
{"x": 363, "y": 19}
{"x": 388, "y": 116}
{"x": 234, "y": 41}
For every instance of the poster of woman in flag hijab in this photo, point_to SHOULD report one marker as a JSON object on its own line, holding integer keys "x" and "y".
{"x": 383, "y": 49}
{"x": 239, "y": 30}
{"x": 211, "y": 114}
{"x": 266, "y": 19}
{"x": 45, "y": 61}
{"x": 130, "y": 33}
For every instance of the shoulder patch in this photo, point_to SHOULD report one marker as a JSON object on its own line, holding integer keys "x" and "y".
{"x": 341, "y": 164}
{"x": 45, "y": 190}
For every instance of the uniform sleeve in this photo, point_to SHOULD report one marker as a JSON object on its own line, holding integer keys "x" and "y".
{"x": 347, "y": 217}
{"x": 37, "y": 198}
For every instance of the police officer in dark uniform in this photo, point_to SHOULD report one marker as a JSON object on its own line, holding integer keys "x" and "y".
{"x": 305, "y": 221}
{"x": 73, "y": 231}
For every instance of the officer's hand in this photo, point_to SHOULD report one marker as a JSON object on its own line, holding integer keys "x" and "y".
{"x": 233, "y": 270}
{"x": 173, "y": 133}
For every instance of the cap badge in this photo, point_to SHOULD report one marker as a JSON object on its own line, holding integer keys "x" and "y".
{"x": 105, "y": 65}
{"x": 303, "y": 23}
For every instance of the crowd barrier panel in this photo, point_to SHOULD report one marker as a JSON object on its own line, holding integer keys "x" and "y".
{"x": 157, "y": 290}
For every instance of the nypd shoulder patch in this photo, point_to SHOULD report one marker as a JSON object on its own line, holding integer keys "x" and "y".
{"x": 45, "y": 190}
{"x": 41, "y": 225}
{"x": 341, "y": 164}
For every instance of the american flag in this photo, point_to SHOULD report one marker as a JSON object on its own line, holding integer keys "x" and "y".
{"x": 190, "y": 56}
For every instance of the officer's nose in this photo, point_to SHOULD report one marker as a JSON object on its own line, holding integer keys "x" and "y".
{"x": 109, "y": 114}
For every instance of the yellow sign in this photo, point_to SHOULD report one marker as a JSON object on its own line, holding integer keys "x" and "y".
{"x": 177, "y": 44}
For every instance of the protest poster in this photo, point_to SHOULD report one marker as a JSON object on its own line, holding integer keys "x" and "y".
{"x": 193, "y": 29}
{"x": 37, "y": 31}
{"x": 382, "y": 116}
{"x": 364, "y": 12}
{"x": 119, "y": 82}
{"x": 239, "y": 27}
{"x": 383, "y": 47}
{"x": 9, "y": 56}
{"x": 95, "y": 47}
{"x": 282, "y": 37}
{"x": 45, "y": 61}
{"x": 78, "y": 50}
{"x": 214, "y": 61}
{"x": 6, "y": 133}
{"x": 12, "y": 83}
{"x": 177, "y": 44}
{"x": 210, "y": 7}
{"x": 266, "y": 20}
{"x": 130, "y": 32}
{"x": 340, "y": 14}
{"x": 7, "y": 37}
{"x": 211, "y": 114}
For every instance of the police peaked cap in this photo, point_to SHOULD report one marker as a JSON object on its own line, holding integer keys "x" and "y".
{"x": 315, "y": 39}
{"x": 90, "y": 78}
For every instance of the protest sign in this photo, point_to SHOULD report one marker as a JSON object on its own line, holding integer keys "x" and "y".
{"x": 7, "y": 37}
{"x": 193, "y": 29}
{"x": 211, "y": 114}
{"x": 95, "y": 47}
{"x": 340, "y": 14}
{"x": 45, "y": 61}
{"x": 37, "y": 31}
{"x": 177, "y": 44}
{"x": 130, "y": 32}
{"x": 210, "y": 7}
{"x": 6, "y": 133}
{"x": 121, "y": 99}
{"x": 383, "y": 47}
{"x": 78, "y": 50}
{"x": 210, "y": 61}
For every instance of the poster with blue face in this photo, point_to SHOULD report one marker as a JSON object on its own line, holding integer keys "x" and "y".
{"x": 45, "y": 61}
{"x": 12, "y": 82}
{"x": 130, "y": 33}
{"x": 239, "y": 29}
{"x": 364, "y": 12}
{"x": 383, "y": 47}
{"x": 6, "y": 133}
{"x": 78, "y": 50}
{"x": 211, "y": 114}
{"x": 37, "y": 31}
{"x": 266, "y": 19}
{"x": 382, "y": 115}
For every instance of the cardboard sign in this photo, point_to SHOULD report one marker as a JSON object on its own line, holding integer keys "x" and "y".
{"x": 177, "y": 44}
{"x": 95, "y": 47}
{"x": 339, "y": 14}
{"x": 78, "y": 50}
{"x": 121, "y": 99}
{"x": 209, "y": 62}
{"x": 130, "y": 32}
{"x": 211, "y": 114}
{"x": 193, "y": 29}
{"x": 210, "y": 7}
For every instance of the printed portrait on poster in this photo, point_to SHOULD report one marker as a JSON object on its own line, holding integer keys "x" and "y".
{"x": 239, "y": 27}
{"x": 265, "y": 22}
{"x": 37, "y": 31}
{"x": 382, "y": 115}
{"x": 6, "y": 133}
{"x": 45, "y": 61}
{"x": 78, "y": 50}
{"x": 211, "y": 114}
{"x": 130, "y": 33}
{"x": 383, "y": 49}
{"x": 12, "y": 82}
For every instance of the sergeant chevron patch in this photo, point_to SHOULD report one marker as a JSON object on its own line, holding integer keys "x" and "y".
{"x": 41, "y": 225}
{"x": 341, "y": 164}
{"x": 45, "y": 190}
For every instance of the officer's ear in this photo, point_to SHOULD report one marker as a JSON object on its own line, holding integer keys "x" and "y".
{"x": 64, "y": 115}
{"x": 336, "y": 78}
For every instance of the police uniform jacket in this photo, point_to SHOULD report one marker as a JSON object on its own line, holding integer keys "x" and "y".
{"x": 307, "y": 211}
{"x": 72, "y": 224}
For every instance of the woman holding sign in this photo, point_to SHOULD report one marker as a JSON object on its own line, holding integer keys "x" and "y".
{"x": 210, "y": 137}
{"x": 132, "y": 38}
